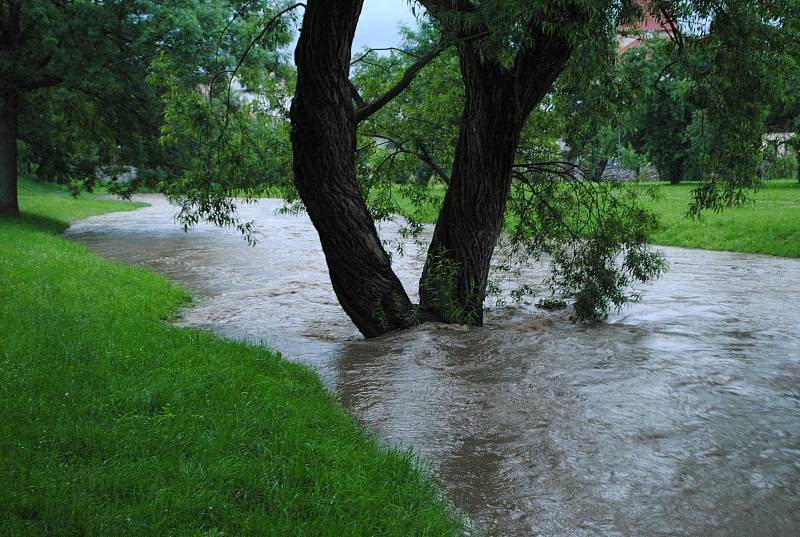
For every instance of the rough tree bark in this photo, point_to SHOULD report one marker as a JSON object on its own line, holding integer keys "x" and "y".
{"x": 324, "y": 141}
{"x": 10, "y": 16}
{"x": 8, "y": 154}
{"x": 499, "y": 99}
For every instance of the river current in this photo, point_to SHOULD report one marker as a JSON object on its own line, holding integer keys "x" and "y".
{"x": 679, "y": 416}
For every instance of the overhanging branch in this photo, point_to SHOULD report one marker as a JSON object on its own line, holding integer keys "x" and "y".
{"x": 363, "y": 112}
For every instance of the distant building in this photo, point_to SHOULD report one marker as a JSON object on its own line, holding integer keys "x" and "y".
{"x": 636, "y": 35}
{"x": 779, "y": 142}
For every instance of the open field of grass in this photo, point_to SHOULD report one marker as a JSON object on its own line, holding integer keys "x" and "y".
{"x": 770, "y": 225}
{"x": 115, "y": 422}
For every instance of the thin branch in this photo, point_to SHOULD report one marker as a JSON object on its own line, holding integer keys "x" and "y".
{"x": 426, "y": 157}
{"x": 670, "y": 26}
{"x": 261, "y": 34}
{"x": 365, "y": 147}
{"x": 422, "y": 154}
{"x": 236, "y": 15}
{"x": 431, "y": 123}
{"x": 371, "y": 50}
{"x": 250, "y": 46}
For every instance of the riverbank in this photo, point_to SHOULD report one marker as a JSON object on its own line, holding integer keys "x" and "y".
{"x": 116, "y": 422}
{"x": 503, "y": 413}
{"x": 770, "y": 225}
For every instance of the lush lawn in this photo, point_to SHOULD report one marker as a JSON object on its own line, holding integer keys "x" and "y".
{"x": 115, "y": 422}
{"x": 771, "y": 225}
{"x": 53, "y": 208}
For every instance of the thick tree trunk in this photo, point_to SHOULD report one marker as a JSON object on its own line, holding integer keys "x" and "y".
{"x": 324, "y": 143}
{"x": 498, "y": 101}
{"x": 9, "y": 205}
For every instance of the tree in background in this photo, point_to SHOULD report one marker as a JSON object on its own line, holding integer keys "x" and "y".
{"x": 29, "y": 60}
{"x": 225, "y": 111}
{"x": 676, "y": 103}
{"x": 74, "y": 84}
{"x": 662, "y": 112}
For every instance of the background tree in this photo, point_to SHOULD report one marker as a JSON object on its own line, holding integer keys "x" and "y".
{"x": 74, "y": 84}
{"x": 662, "y": 111}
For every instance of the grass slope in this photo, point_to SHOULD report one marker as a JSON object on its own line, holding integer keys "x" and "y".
{"x": 771, "y": 225}
{"x": 114, "y": 422}
{"x": 52, "y": 208}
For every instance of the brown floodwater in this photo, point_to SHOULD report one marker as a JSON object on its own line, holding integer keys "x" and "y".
{"x": 680, "y": 416}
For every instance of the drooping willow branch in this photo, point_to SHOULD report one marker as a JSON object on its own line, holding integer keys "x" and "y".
{"x": 419, "y": 150}
{"x": 239, "y": 64}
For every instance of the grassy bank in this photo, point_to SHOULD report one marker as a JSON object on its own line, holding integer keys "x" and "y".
{"x": 52, "y": 208}
{"x": 770, "y": 225}
{"x": 114, "y": 422}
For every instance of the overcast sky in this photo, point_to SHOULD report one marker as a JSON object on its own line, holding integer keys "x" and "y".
{"x": 379, "y": 22}
{"x": 378, "y": 25}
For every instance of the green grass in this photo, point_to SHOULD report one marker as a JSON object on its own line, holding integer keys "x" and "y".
{"x": 770, "y": 225}
{"x": 115, "y": 422}
{"x": 51, "y": 207}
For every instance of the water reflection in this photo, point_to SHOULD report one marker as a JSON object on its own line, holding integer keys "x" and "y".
{"x": 680, "y": 416}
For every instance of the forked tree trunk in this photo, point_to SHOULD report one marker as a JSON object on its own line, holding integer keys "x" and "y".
{"x": 498, "y": 101}
{"x": 324, "y": 143}
{"x": 9, "y": 205}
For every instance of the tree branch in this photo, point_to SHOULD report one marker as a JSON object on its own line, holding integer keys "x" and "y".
{"x": 363, "y": 112}
{"x": 261, "y": 34}
{"x": 421, "y": 153}
{"x": 426, "y": 157}
{"x": 371, "y": 50}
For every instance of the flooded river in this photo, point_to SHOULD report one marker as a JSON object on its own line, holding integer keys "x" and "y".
{"x": 680, "y": 416}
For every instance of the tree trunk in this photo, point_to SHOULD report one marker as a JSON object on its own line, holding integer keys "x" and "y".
{"x": 498, "y": 101}
{"x": 676, "y": 173}
{"x": 9, "y": 206}
{"x": 324, "y": 143}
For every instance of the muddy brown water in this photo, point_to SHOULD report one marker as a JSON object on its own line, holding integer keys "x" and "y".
{"x": 679, "y": 416}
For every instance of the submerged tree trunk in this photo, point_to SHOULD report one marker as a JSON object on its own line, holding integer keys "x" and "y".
{"x": 499, "y": 99}
{"x": 9, "y": 205}
{"x": 324, "y": 143}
